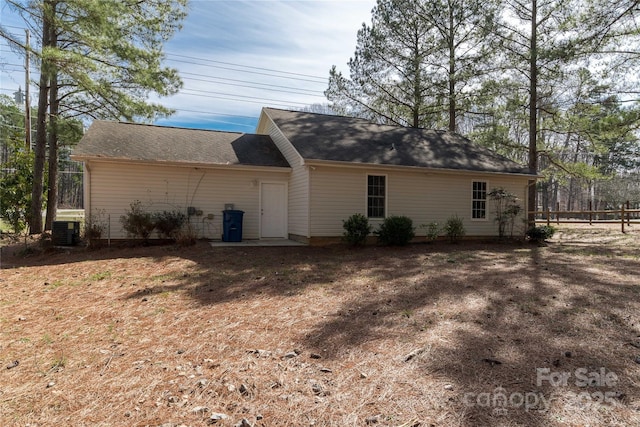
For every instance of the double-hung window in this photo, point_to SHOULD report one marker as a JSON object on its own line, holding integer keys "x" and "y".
{"x": 479, "y": 200}
{"x": 376, "y": 196}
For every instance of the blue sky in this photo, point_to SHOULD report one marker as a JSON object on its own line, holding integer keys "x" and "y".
{"x": 237, "y": 56}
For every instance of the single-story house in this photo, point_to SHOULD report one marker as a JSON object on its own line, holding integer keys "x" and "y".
{"x": 299, "y": 176}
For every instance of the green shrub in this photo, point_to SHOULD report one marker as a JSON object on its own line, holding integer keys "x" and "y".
{"x": 454, "y": 228}
{"x": 94, "y": 227}
{"x": 137, "y": 222}
{"x": 540, "y": 233}
{"x": 169, "y": 223}
{"x": 396, "y": 230}
{"x": 356, "y": 229}
{"x": 16, "y": 182}
{"x": 433, "y": 231}
{"x": 186, "y": 236}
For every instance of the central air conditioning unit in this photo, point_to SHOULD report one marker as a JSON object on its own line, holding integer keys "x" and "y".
{"x": 65, "y": 233}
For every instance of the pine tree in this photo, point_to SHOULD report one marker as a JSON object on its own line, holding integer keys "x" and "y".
{"x": 417, "y": 62}
{"x": 98, "y": 59}
{"x": 537, "y": 44}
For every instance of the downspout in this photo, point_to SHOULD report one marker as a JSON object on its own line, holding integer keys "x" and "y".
{"x": 309, "y": 196}
{"x": 86, "y": 190}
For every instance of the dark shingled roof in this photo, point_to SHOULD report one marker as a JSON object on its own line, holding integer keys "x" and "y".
{"x": 139, "y": 142}
{"x": 347, "y": 139}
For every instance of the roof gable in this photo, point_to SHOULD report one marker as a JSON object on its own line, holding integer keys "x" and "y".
{"x": 139, "y": 142}
{"x": 347, "y": 139}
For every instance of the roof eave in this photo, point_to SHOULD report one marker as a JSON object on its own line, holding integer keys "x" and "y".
{"x": 84, "y": 158}
{"x": 337, "y": 163}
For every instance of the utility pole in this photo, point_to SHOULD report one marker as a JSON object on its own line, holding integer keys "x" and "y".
{"x": 27, "y": 102}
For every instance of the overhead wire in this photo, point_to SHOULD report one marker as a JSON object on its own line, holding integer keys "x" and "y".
{"x": 290, "y": 73}
{"x": 203, "y": 93}
{"x": 213, "y": 79}
{"x": 267, "y": 86}
{"x": 190, "y": 91}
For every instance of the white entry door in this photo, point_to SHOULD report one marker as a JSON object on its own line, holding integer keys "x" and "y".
{"x": 273, "y": 214}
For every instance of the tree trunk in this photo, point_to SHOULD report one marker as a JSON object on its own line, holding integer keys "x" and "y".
{"x": 52, "y": 192}
{"x": 544, "y": 192}
{"x": 452, "y": 73}
{"x": 533, "y": 112}
{"x": 417, "y": 82}
{"x": 35, "y": 216}
{"x": 570, "y": 191}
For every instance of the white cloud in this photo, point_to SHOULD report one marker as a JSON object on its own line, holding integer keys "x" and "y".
{"x": 305, "y": 37}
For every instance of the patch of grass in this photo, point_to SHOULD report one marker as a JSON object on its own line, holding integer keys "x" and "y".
{"x": 55, "y": 284}
{"x": 161, "y": 277}
{"x": 103, "y": 275}
{"x": 58, "y": 363}
{"x": 165, "y": 294}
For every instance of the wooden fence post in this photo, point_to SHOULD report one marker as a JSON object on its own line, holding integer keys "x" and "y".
{"x": 622, "y": 216}
{"x": 628, "y": 216}
{"x": 548, "y": 217}
{"x": 590, "y": 213}
{"x": 558, "y": 213}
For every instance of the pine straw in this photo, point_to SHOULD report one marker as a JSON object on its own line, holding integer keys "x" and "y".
{"x": 382, "y": 336}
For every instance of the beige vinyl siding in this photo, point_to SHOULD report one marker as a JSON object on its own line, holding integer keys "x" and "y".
{"x": 452, "y": 195}
{"x": 115, "y": 186}
{"x": 337, "y": 193}
{"x": 298, "y": 215}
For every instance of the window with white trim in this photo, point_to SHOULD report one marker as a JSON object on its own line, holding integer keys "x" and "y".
{"x": 479, "y": 200}
{"x": 376, "y": 195}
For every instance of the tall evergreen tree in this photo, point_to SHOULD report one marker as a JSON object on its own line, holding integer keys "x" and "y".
{"x": 387, "y": 80}
{"x": 416, "y": 62}
{"x": 464, "y": 34}
{"x": 103, "y": 60}
{"x": 537, "y": 47}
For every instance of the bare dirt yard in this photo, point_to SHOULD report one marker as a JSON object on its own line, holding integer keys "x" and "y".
{"x": 473, "y": 334}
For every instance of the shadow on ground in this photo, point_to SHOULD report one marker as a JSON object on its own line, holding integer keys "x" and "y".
{"x": 515, "y": 315}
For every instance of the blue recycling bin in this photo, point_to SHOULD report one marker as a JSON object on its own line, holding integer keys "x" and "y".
{"x": 232, "y": 225}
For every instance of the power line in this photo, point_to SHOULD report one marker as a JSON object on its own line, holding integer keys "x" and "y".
{"x": 221, "y": 80}
{"x": 238, "y": 99}
{"x": 249, "y": 72}
{"x": 259, "y": 88}
{"x": 323, "y": 79}
{"x": 13, "y": 26}
{"x": 213, "y": 113}
{"x": 211, "y": 79}
{"x": 214, "y": 94}
{"x": 8, "y": 89}
{"x": 260, "y": 70}
{"x": 269, "y": 72}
